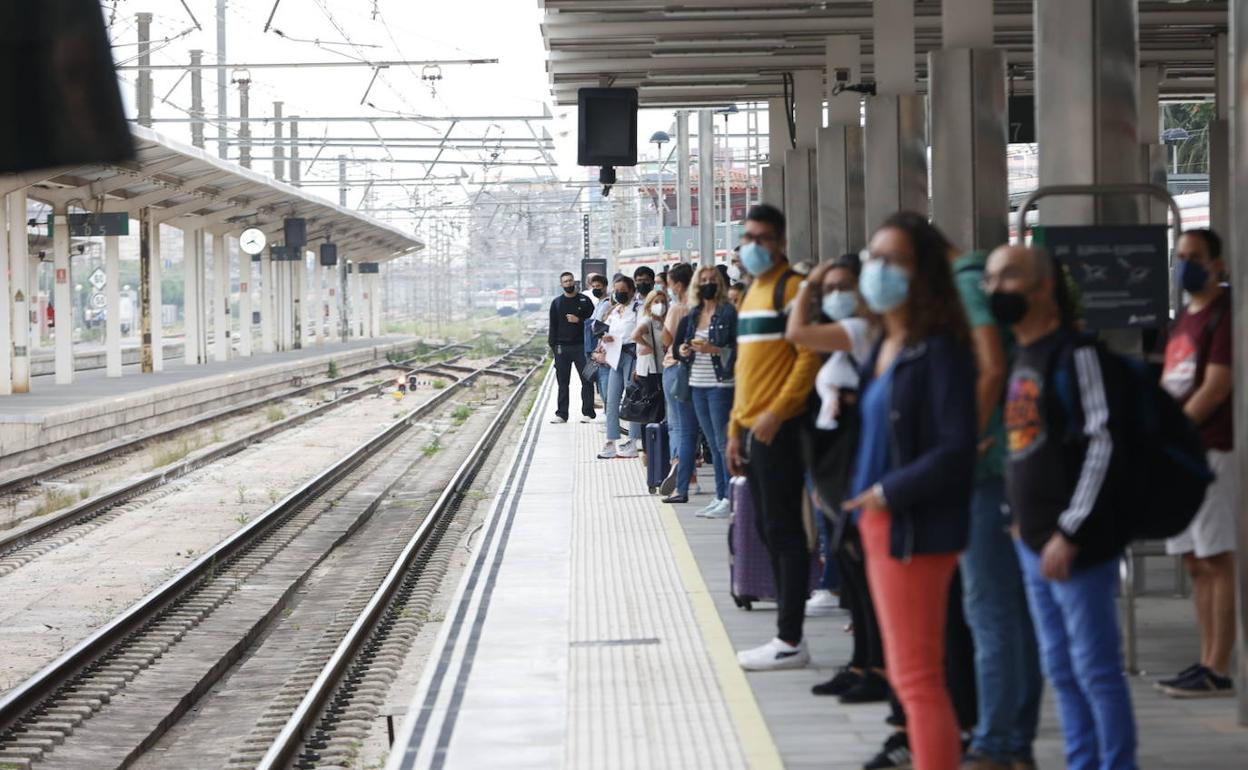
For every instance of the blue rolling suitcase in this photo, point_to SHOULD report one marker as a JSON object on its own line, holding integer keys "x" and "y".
{"x": 658, "y": 454}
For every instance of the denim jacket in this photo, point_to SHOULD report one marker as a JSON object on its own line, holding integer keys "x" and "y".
{"x": 932, "y": 445}
{"x": 722, "y": 333}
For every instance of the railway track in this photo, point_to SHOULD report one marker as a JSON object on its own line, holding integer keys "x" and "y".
{"x": 191, "y": 629}
{"x": 28, "y": 543}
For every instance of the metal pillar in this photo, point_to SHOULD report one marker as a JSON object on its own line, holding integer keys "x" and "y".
{"x": 1086, "y": 61}
{"x": 296, "y": 174}
{"x": 267, "y": 344}
{"x": 706, "y": 187}
{"x": 357, "y": 303}
{"x": 156, "y": 272}
{"x": 63, "y": 297}
{"x": 279, "y": 150}
{"x": 245, "y": 287}
{"x": 297, "y": 270}
{"x": 244, "y": 125}
{"x": 318, "y": 308}
{"x": 1152, "y": 151}
{"x": 343, "y": 309}
{"x": 1220, "y": 139}
{"x": 969, "y": 123}
{"x": 220, "y": 298}
{"x": 193, "y": 351}
{"x": 727, "y": 211}
{"x": 333, "y": 293}
{"x": 839, "y": 158}
{"x": 800, "y": 169}
{"x": 778, "y": 144}
{"x": 112, "y": 306}
{"x": 895, "y": 140}
{"x": 342, "y": 180}
{"x": 379, "y": 306}
{"x": 197, "y": 98}
{"x": 145, "y": 288}
{"x": 143, "y": 87}
{"x": 1239, "y": 281}
{"x": 6, "y": 310}
{"x": 684, "y": 192}
{"x": 223, "y": 106}
{"x": 19, "y": 283}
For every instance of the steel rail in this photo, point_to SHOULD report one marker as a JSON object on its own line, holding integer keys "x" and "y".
{"x": 284, "y": 748}
{"x": 27, "y": 697}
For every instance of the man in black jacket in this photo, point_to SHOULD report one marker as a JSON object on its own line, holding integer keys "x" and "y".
{"x": 1062, "y": 417}
{"x": 566, "y": 337}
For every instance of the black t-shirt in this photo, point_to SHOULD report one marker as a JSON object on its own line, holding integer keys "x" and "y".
{"x": 562, "y": 332}
{"x": 1050, "y": 456}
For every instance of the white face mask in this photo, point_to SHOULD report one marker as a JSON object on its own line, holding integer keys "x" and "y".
{"x": 734, "y": 272}
{"x": 657, "y": 309}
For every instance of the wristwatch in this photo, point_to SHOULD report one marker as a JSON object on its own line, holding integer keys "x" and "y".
{"x": 878, "y": 491}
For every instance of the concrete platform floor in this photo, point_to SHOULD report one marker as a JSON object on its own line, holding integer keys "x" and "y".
{"x": 46, "y": 397}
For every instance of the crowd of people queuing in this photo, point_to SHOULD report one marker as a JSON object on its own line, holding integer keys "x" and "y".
{"x": 969, "y": 519}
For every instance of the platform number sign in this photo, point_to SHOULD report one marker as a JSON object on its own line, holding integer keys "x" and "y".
{"x": 94, "y": 225}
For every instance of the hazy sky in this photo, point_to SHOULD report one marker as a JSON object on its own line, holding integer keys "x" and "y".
{"x": 507, "y": 30}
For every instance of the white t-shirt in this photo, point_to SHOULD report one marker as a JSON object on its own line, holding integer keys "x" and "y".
{"x": 622, "y": 321}
{"x": 840, "y": 371}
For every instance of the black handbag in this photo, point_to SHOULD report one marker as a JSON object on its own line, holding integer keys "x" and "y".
{"x": 643, "y": 401}
{"x": 589, "y": 372}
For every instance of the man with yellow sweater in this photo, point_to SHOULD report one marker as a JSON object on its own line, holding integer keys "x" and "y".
{"x": 774, "y": 378}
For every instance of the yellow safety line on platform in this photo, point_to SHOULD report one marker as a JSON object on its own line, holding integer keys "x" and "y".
{"x": 756, "y": 741}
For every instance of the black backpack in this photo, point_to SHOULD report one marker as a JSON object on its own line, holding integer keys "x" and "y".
{"x": 1166, "y": 472}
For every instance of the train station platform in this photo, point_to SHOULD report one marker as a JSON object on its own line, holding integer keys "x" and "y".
{"x": 95, "y": 408}
{"x": 593, "y": 628}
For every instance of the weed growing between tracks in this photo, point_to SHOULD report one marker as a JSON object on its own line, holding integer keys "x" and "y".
{"x": 461, "y": 414}
{"x": 433, "y": 447}
{"x": 54, "y": 500}
{"x": 174, "y": 451}
{"x": 275, "y": 413}
{"x": 333, "y": 372}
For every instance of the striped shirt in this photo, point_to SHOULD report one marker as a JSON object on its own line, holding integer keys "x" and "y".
{"x": 702, "y": 373}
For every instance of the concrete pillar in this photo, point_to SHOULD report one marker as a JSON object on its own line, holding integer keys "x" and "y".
{"x": 334, "y": 297}
{"x": 318, "y": 307}
{"x": 970, "y": 129}
{"x": 379, "y": 305}
{"x": 112, "y": 306}
{"x": 19, "y": 284}
{"x": 245, "y": 288}
{"x": 839, "y": 158}
{"x": 1152, "y": 152}
{"x": 192, "y": 301}
{"x": 296, "y": 310}
{"x": 267, "y": 344}
{"x": 156, "y": 272}
{"x": 706, "y": 187}
{"x": 684, "y": 192}
{"x": 221, "y": 337}
{"x": 6, "y": 306}
{"x": 778, "y": 144}
{"x": 1086, "y": 72}
{"x": 895, "y": 140}
{"x": 63, "y": 297}
{"x": 800, "y": 178}
{"x": 1220, "y": 139}
{"x": 1238, "y": 253}
{"x": 357, "y": 302}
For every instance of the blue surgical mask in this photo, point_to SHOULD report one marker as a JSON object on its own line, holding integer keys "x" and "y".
{"x": 883, "y": 286}
{"x": 1192, "y": 276}
{"x": 839, "y": 305}
{"x": 755, "y": 258}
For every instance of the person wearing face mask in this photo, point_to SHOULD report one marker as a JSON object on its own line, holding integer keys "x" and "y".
{"x": 643, "y": 277}
{"x": 706, "y": 344}
{"x": 648, "y": 335}
{"x": 566, "y": 337}
{"x": 621, "y": 357}
{"x": 593, "y": 348}
{"x": 1197, "y": 372}
{"x": 774, "y": 378}
{"x": 1062, "y": 494}
{"x": 682, "y": 421}
{"x": 914, "y": 472}
{"x": 839, "y": 327}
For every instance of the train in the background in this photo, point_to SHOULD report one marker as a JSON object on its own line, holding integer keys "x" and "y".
{"x": 510, "y": 301}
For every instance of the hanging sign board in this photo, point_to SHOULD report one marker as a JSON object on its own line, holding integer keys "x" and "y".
{"x": 370, "y": 268}
{"x": 94, "y": 225}
{"x": 1122, "y": 272}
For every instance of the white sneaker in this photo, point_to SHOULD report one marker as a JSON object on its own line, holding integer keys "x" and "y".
{"x": 628, "y": 450}
{"x": 720, "y": 509}
{"x": 774, "y": 656}
{"x": 557, "y": 420}
{"x": 608, "y": 452}
{"x": 823, "y": 603}
{"x": 705, "y": 511}
{"x": 586, "y": 418}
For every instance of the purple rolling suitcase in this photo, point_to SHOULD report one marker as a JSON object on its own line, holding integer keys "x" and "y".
{"x": 658, "y": 455}
{"x": 748, "y": 560}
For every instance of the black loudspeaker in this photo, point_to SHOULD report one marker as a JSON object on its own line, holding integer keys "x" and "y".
{"x": 295, "y": 231}
{"x": 608, "y": 127}
{"x": 329, "y": 254}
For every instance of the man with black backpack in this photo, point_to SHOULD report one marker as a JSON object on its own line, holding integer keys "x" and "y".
{"x": 1197, "y": 372}
{"x": 1066, "y": 461}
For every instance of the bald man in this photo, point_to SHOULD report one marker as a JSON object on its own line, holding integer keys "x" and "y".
{"x": 1057, "y": 490}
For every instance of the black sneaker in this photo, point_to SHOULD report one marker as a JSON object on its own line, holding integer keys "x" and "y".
{"x": 668, "y": 485}
{"x": 1179, "y": 677}
{"x": 872, "y": 688}
{"x": 1202, "y": 683}
{"x": 844, "y": 680}
{"x": 894, "y": 756}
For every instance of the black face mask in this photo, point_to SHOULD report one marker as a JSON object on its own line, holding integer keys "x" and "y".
{"x": 1008, "y": 307}
{"x": 599, "y": 292}
{"x": 708, "y": 291}
{"x": 569, "y": 289}
{"x": 644, "y": 289}
{"x": 622, "y": 296}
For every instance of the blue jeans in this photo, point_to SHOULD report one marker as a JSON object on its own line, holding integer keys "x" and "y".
{"x": 682, "y": 426}
{"x": 1077, "y": 627}
{"x": 1007, "y": 664}
{"x": 619, "y": 379}
{"x": 712, "y": 406}
{"x": 829, "y": 579}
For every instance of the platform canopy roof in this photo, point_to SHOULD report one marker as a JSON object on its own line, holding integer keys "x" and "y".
{"x": 186, "y": 187}
{"x": 705, "y": 52}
